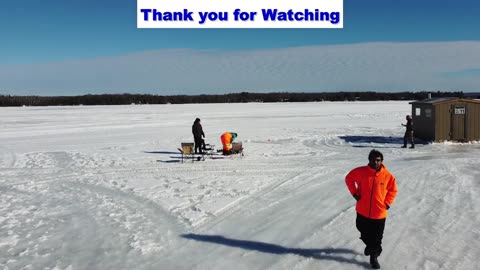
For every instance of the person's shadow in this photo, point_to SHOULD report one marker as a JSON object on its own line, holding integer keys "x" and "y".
{"x": 161, "y": 152}
{"x": 319, "y": 254}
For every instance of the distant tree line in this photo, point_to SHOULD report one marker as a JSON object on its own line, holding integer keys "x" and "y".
{"x": 243, "y": 97}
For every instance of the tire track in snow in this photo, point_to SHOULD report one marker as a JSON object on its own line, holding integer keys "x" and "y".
{"x": 76, "y": 224}
{"x": 72, "y": 223}
{"x": 7, "y": 158}
{"x": 457, "y": 197}
{"x": 275, "y": 206}
{"x": 435, "y": 203}
{"x": 250, "y": 202}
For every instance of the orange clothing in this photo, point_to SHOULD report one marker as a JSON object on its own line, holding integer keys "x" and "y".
{"x": 227, "y": 139}
{"x": 376, "y": 189}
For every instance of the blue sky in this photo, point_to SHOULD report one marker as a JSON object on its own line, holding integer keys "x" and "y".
{"x": 38, "y": 32}
{"x": 50, "y": 30}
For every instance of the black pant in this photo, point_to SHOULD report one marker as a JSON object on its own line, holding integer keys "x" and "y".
{"x": 408, "y": 137}
{"x": 199, "y": 145}
{"x": 371, "y": 233}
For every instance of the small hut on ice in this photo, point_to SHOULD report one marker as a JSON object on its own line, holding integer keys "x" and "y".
{"x": 446, "y": 119}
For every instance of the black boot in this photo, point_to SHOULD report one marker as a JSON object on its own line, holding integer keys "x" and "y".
{"x": 404, "y": 146}
{"x": 413, "y": 146}
{"x": 374, "y": 262}
{"x": 367, "y": 251}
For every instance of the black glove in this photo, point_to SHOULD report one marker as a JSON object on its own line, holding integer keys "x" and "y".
{"x": 357, "y": 197}
{"x": 388, "y": 206}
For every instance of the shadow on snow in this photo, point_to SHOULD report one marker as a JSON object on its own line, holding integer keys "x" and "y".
{"x": 319, "y": 254}
{"x": 168, "y": 161}
{"x": 178, "y": 157}
{"x": 160, "y": 152}
{"x": 387, "y": 141}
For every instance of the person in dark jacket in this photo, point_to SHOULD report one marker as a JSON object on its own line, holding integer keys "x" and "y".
{"x": 198, "y": 136}
{"x": 408, "y": 133}
{"x": 374, "y": 188}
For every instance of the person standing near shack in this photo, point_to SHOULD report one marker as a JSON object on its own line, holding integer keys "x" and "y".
{"x": 408, "y": 133}
{"x": 198, "y": 136}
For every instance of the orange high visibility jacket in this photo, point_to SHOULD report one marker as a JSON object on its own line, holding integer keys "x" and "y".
{"x": 376, "y": 189}
{"x": 227, "y": 139}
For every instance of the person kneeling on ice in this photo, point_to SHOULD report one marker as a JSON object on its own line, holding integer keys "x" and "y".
{"x": 375, "y": 189}
{"x": 227, "y": 139}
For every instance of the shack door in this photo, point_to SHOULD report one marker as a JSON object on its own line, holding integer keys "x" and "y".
{"x": 458, "y": 122}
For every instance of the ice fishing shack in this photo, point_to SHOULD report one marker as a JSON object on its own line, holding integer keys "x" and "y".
{"x": 446, "y": 119}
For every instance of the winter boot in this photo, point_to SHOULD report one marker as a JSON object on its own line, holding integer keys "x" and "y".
{"x": 374, "y": 262}
{"x": 413, "y": 146}
{"x": 404, "y": 146}
{"x": 367, "y": 251}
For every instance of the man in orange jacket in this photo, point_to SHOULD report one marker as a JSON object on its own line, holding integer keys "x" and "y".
{"x": 227, "y": 138}
{"x": 374, "y": 188}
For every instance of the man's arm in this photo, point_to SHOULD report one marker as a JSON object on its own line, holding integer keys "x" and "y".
{"x": 391, "y": 192}
{"x": 351, "y": 182}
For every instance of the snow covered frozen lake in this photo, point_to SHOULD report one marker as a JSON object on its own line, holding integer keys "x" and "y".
{"x": 102, "y": 187}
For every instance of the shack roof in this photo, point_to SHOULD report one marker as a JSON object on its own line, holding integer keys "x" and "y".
{"x": 436, "y": 101}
